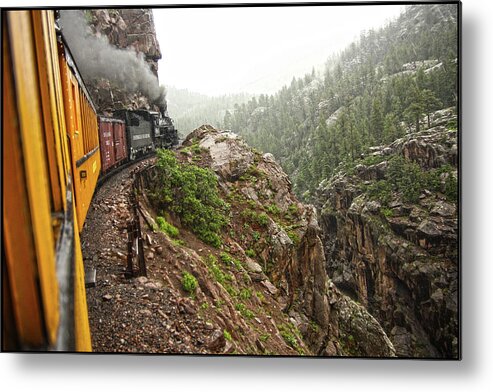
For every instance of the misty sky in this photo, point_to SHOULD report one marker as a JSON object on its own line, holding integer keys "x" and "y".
{"x": 218, "y": 51}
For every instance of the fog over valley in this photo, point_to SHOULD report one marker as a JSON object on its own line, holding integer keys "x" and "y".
{"x": 218, "y": 51}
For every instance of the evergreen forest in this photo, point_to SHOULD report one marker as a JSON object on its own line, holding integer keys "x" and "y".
{"x": 379, "y": 88}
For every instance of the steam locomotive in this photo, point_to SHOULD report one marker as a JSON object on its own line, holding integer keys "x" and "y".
{"x": 132, "y": 134}
{"x": 147, "y": 131}
{"x": 55, "y": 146}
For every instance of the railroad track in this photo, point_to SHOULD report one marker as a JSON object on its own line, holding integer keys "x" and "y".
{"x": 102, "y": 179}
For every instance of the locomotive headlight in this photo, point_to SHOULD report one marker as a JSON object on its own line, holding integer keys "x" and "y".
{"x": 83, "y": 174}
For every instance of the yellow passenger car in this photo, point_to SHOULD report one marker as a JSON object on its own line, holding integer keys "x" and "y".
{"x": 50, "y": 167}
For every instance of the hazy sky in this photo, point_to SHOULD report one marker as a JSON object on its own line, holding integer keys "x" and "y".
{"x": 227, "y": 50}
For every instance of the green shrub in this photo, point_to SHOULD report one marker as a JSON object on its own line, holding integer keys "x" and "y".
{"x": 244, "y": 311}
{"x": 294, "y": 237}
{"x": 288, "y": 336}
{"x": 189, "y": 282}
{"x": 178, "y": 242}
{"x": 192, "y": 193}
{"x": 263, "y": 219}
{"x": 293, "y": 209}
{"x": 249, "y": 214}
{"x": 215, "y": 270}
{"x": 245, "y": 294}
{"x": 452, "y": 125}
{"x": 196, "y": 148}
{"x": 227, "y": 335}
{"x": 226, "y": 258}
{"x": 314, "y": 326}
{"x": 289, "y": 333}
{"x": 371, "y": 160}
{"x": 252, "y": 204}
{"x": 254, "y": 171}
{"x": 273, "y": 209}
{"x": 166, "y": 227}
{"x": 407, "y": 178}
{"x": 450, "y": 188}
{"x": 231, "y": 290}
{"x": 380, "y": 190}
{"x": 387, "y": 212}
{"x": 250, "y": 253}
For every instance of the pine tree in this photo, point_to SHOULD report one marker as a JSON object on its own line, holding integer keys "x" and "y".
{"x": 430, "y": 103}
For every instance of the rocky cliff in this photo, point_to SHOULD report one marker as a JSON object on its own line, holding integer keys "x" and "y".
{"x": 117, "y": 52}
{"x": 125, "y": 28}
{"x": 390, "y": 225}
{"x": 266, "y": 284}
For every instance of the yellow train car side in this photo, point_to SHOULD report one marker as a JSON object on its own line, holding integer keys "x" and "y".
{"x": 50, "y": 169}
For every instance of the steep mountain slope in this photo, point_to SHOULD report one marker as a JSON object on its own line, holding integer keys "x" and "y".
{"x": 390, "y": 227}
{"x": 255, "y": 268}
{"x": 370, "y": 94}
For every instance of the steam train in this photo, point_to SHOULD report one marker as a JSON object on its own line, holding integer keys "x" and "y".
{"x": 55, "y": 146}
{"x": 132, "y": 134}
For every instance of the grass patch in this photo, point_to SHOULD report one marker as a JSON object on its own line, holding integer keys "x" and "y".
{"x": 229, "y": 260}
{"x": 260, "y": 296}
{"x": 261, "y": 219}
{"x": 264, "y": 337}
{"x": 215, "y": 270}
{"x": 196, "y": 149}
{"x": 289, "y": 334}
{"x": 294, "y": 237}
{"x": 167, "y": 227}
{"x": 244, "y": 311}
{"x": 178, "y": 242}
{"x": 245, "y": 294}
{"x": 231, "y": 290}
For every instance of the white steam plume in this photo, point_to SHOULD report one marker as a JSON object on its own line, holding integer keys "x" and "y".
{"x": 97, "y": 58}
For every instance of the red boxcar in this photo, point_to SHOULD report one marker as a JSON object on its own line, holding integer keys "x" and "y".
{"x": 120, "y": 140}
{"x": 112, "y": 142}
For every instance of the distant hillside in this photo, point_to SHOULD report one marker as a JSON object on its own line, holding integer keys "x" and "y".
{"x": 379, "y": 88}
{"x": 190, "y": 110}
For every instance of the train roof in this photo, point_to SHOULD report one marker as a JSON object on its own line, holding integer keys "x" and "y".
{"x": 111, "y": 119}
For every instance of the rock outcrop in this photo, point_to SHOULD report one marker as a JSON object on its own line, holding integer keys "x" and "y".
{"x": 390, "y": 227}
{"x": 277, "y": 240}
{"x": 118, "y": 40}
